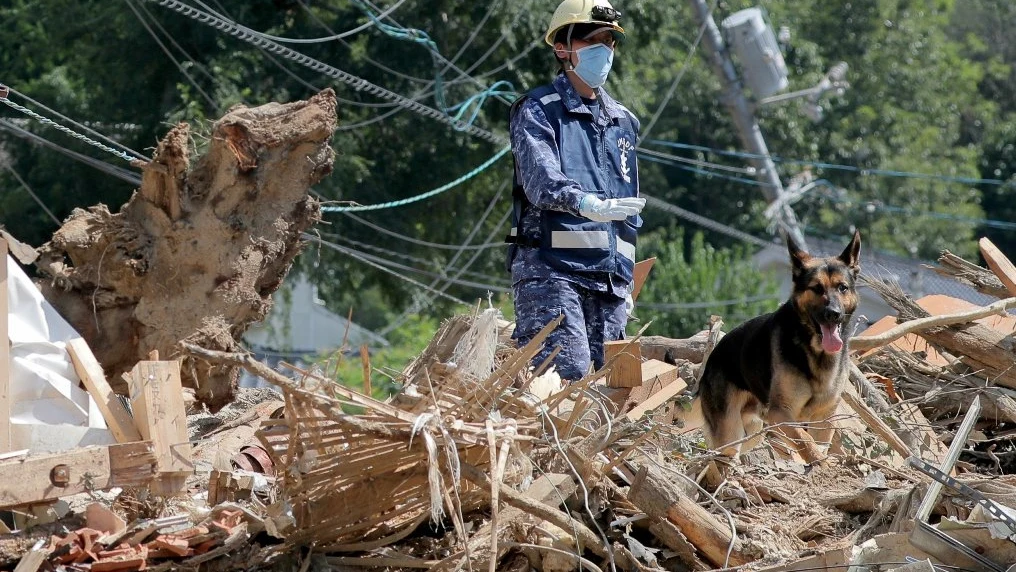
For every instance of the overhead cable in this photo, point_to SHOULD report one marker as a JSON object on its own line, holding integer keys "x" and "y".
{"x": 357, "y": 83}
{"x": 362, "y": 257}
{"x": 420, "y": 197}
{"x": 422, "y": 303}
{"x": 392, "y": 266}
{"x": 29, "y": 190}
{"x": 383, "y": 230}
{"x": 677, "y": 78}
{"x": 113, "y": 170}
{"x": 705, "y": 172}
{"x": 211, "y": 101}
{"x": 822, "y": 165}
{"x": 709, "y": 304}
{"x": 47, "y": 121}
{"x": 370, "y": 22}
{"x": 385, "y": 251}
{"x": 81, "y": 126}
{"x": 705, "y": 221}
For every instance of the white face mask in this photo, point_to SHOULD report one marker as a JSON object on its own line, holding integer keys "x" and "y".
{"x": 594, "y": 64}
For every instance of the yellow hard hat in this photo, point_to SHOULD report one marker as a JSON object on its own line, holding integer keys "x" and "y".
{"x": 585, "y": 12}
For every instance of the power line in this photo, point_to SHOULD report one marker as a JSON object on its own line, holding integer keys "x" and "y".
{"x": 425, "y": 243}
{"x": 306, "y": 83}
{"x": 25, "y": 186}
{"x": 409, "y": 257}
{"x": 419, "y": 305}
{"x": 362, "y": 257}
{"x": 710, "y": 304}
{"x": 165, "y": 50}
{"x": 699, "y": 162}
{"x": 366, "y": 58}
{"x": 68, "y": 131}
{"x": 405, "y": 268}
{"x": 818, "y": 164}
{"x": 370, "y": 23}
{"x": 707, "y": 173}
{"x": 81, "y": 126}
{"x": 428, "y": 194}
{"x": 706, "y": 222}
{"x": 358, "y": 83}
{"x": 871, "y": 206}
{"x": 117, "y": 172}
{"x": 425, "y": 91}
{"x": 200, "y": 67}
{"x": 677, "y": 79}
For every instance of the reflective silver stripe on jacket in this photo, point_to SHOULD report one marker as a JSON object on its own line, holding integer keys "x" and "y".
{"x": 580, "y": 239}
{"x": 626, "y": 249}
{"x": 514, "y": 231}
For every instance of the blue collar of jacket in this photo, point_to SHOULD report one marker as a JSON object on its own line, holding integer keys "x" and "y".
{"x": 572, "y": 101}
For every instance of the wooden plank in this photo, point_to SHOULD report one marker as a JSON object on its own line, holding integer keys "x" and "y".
{"x": 626, "y": 370}
{"x": 657, "y": 399}
{"x": 157, "y": 401}
{"x": 654, "y": 493}
{"x": 872, "y": 420}
{"x": 117, "y": 419}
{"x": 44, "y": 477}
{"x": 999, "y": 264}
{"x": 5, "y": 357}
{"x": 658, "y": 373}
{"x": 365, "y": 363}
{"x": 32, "y": 561}
{"x": 640, "y": 273}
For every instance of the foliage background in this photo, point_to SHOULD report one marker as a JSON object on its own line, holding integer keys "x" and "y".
{"x": 931, "y": 84}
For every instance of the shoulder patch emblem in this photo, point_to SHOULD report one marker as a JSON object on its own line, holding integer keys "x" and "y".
{"x": 625, "y": 146}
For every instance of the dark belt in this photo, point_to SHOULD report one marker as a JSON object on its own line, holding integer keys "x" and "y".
{"x": 522, "y": 241}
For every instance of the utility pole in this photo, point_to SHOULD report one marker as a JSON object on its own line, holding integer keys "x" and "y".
{"x": 744, "y": 119}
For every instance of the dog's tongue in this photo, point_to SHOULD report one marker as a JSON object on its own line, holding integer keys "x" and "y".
{"x": 831, "y": 340}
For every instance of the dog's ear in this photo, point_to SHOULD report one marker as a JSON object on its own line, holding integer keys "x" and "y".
{"x": 798, "y": 257}
{"x": 852, "y": 253}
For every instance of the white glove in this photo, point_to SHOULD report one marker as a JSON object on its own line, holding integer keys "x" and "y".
{"x": 599, "y": 210}
{"x": 629, "y": 305}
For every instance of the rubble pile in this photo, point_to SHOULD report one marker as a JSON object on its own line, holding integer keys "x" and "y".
{"x": 484, "y": 462}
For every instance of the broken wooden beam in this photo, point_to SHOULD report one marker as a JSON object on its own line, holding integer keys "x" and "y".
{"x": 655, "y": 494}
{"x": 967, "y": 272}
{"x": 38, "y": 478}
{"x": 88, "y": 369}
{"x": 930, "y": 324}
{"x": 664, "y": 349}
{"x": 875, "y": 423}
{"x": 668, "y": 392}
{"x": 157, "y": 401}
{"x": 32, "y": 561}
{"x": 999, "y": 264}
{"x": 626, "y": 368}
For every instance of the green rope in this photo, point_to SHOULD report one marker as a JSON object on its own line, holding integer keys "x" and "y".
{"x": 427, "y": 195}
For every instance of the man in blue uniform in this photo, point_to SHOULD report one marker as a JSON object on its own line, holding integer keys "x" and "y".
{"x": 576, "y": 205}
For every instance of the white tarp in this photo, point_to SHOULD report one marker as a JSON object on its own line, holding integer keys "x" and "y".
{"x": 49, "y": 412}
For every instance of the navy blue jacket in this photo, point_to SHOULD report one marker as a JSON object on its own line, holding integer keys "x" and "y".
{"x": 561, "y": 153}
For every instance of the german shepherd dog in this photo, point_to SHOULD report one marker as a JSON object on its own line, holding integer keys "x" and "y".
{"x": 786, "y": 367}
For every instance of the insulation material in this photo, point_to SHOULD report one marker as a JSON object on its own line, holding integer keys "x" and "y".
{"x": 49, "y": 411}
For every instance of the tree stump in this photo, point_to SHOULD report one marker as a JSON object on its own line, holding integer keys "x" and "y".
{"x": 197, "y": 251}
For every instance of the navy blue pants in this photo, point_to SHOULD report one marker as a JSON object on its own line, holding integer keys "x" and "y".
{"x": 590, "y": 319}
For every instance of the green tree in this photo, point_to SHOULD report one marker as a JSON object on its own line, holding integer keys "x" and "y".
{"x": 693, "y": 280}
